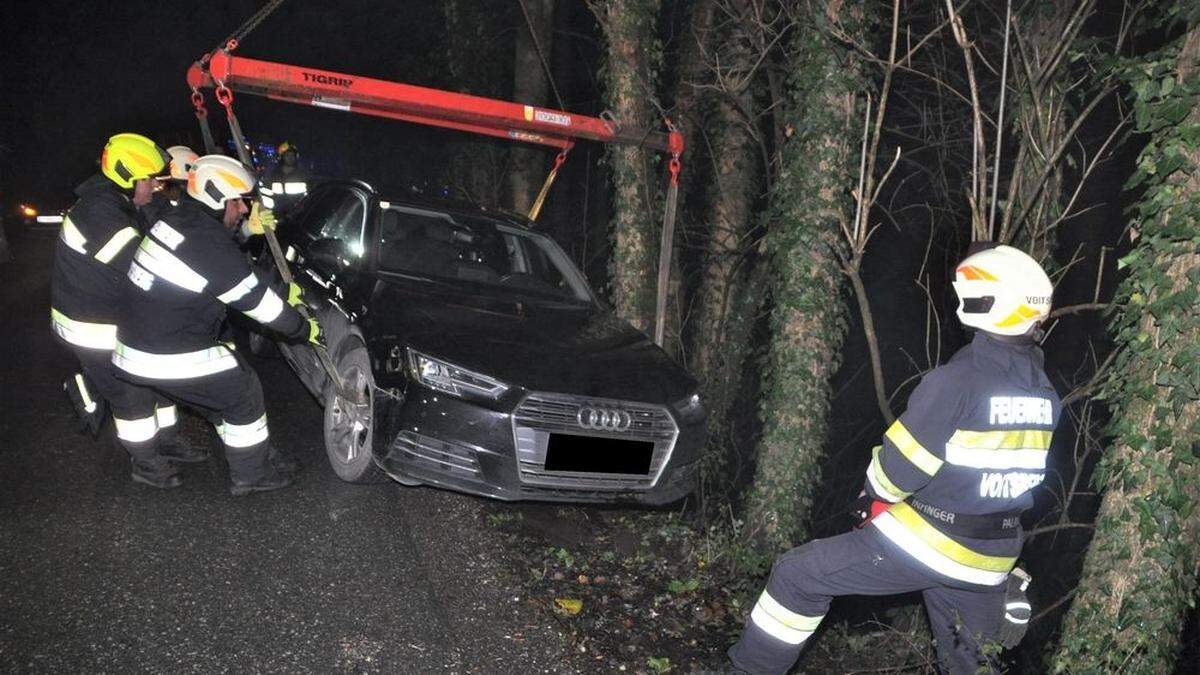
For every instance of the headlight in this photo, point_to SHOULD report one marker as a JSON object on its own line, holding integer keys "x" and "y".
{"x": 447, "y": 377}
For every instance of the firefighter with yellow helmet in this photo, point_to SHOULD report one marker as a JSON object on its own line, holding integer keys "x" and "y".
{"x": 91, "y": 257}
{"x": 186, "y": 273}
{"x": 287, "y": 182}
{"x": 946, "y": 490}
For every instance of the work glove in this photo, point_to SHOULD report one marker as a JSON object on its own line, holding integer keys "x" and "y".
{"x": 260, "y": 218}
{"x": 1017, "y": 610}
{"x": 295, "y": 294}
{"x": 315, "y": 336}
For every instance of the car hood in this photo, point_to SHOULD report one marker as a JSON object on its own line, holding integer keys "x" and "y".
{"x": 542, "y": 346}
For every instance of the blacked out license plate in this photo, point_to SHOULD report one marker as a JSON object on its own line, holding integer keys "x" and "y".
{"x": 591, "y": 454}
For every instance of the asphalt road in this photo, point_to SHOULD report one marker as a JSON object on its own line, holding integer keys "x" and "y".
{"x": 99, "y": 574}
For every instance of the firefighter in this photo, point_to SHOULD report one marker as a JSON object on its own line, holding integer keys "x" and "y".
{"x": 182, "y": 160}
{"x": 91, "y": 257}
{"x": 948, "y": 484}
{"x": 186, "y": 271}
{"x": 287, "y": 182}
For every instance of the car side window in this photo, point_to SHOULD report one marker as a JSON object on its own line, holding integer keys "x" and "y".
{"x": 316, "y": 211}
{"x": 345, "y": 222}
{"x": 336, "y": 214}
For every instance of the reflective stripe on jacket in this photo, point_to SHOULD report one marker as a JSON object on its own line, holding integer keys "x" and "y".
{"x": 974, "y": 440}
{"x": 91, "y": 257}
{"x": 184, "y": 274}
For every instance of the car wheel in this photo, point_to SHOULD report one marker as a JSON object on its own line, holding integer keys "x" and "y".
{"x": 349, "y": 428}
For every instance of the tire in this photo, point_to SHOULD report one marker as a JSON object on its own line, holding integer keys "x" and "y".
{"x": 348, "y": 427}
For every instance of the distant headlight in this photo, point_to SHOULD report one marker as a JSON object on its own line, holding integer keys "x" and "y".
{"x": 690, "y": 407}
{"x": 447, "y": 377}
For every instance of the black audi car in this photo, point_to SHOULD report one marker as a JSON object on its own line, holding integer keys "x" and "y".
{"x": 475, "y": 357}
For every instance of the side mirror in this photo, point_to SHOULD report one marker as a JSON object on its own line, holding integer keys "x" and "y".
{"x": 331, "y": 255}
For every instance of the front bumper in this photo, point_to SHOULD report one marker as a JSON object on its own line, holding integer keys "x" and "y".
{"x": 500, "y": 453}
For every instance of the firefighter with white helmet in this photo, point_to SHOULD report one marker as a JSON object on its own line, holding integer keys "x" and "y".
{"x": 184, "y": 275}
{"x": 946, "y": 489}
{"x": 99, "y": 234}
{"x": 179, "y": 162}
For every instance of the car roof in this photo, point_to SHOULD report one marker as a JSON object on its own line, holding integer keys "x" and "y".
{"x": 398, "y": 197}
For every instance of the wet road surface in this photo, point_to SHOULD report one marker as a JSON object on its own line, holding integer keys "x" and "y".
{"x": 99, "y": 574}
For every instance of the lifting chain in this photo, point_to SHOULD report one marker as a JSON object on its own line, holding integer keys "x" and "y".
{"x": 231, "y": 43}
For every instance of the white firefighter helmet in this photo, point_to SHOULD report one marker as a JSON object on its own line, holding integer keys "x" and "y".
{"x": 216, "y": 178}
{"x": 1003, "y": 291}
{"x": 182, "y": 159}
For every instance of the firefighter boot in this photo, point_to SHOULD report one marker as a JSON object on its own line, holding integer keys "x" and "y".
{"x": 272, "y": 479}
{"x": 160, "y": 474}
{"x": 170, "y": 445}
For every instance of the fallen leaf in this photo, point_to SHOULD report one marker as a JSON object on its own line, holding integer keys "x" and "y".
{"x": 568, "y": 606}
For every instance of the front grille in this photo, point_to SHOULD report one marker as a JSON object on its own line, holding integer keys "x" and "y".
{"x": 432, "y": 454}
{"x": 541, "y": 414}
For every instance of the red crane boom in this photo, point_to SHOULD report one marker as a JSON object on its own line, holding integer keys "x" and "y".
{"x": 421, "y": 105}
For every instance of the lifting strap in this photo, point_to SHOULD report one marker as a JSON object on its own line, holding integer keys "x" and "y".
{"x": 225, "y": 98}
{"x": 536, "y": 209}
{"x": 668, "y": 236}
{"x": 210, "y": 146}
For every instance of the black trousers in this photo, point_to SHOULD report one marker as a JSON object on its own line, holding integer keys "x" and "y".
{"x": 804, "y": 580}
{"x": 142, "y": 416}
{"x": 233, "y": 401}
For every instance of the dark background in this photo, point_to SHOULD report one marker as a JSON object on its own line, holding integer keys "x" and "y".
{"x": 74, "y": 73}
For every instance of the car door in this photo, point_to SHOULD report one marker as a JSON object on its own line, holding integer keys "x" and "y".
{"x": 327, "y": 246}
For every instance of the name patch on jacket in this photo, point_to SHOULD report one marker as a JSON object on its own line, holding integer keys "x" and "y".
{"x": 1021, "y": 410}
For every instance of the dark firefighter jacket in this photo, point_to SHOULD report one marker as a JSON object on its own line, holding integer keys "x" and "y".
{"x": 185, "y": 272}
{"x": 969, "y": 448}
{"x": 91, "y": 257}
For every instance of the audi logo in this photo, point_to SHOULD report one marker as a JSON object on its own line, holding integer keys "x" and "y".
{"x": 604, "y": 419}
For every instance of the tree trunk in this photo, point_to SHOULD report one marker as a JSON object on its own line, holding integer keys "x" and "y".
{"x": 476, "y": 166}
{"x": 1139, "y": 575}
{"x": 716, "y": 358}
{"x": 630, "y": 82}
{"x": 531, "y": 86}
{"x": 808, "y": 202}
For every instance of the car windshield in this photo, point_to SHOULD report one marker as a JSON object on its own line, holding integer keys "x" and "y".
{"x": 476, "y": 250}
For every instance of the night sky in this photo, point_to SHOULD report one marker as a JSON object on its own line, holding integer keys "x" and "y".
{"x": 76, "y": 72}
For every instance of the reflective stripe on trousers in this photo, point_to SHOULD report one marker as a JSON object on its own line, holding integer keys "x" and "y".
{"x": 136, "y": 431}
{"x": 173, "y": 366}
{"x": 165, "y": 416}
{"x": 782, "y": 623}
{"x": 82, "y": 333}
{"x": 88, "y": 403}
{"x": 244, "y": 435}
